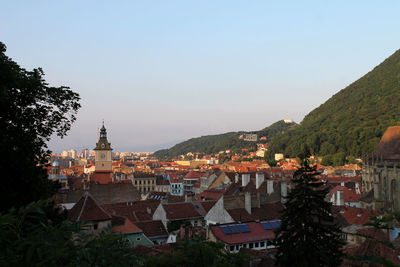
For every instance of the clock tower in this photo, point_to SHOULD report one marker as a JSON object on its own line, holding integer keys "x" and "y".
{"x": 103, "y": 160}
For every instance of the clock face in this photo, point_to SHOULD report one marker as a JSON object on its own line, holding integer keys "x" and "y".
{"x": 103, "y": 155}
{"x": 102, "y": 145}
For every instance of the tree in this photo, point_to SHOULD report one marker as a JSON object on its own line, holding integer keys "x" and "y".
{"x": 307, "y": 235}
{"x": 198, "y": 252}
{"x": 29, "y": 237}
{"x": 30, "y": 113}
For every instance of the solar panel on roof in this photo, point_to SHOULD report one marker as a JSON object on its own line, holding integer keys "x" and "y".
{"x": 243, "y": 228}
{"x": 225, "y": 230}
{"x": 274, "y": 224}
{"x": 266, "y": 226}
{"x": 233, "y": 229}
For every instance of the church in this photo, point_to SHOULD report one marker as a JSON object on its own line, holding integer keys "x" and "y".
{"x": 381, "y": 174}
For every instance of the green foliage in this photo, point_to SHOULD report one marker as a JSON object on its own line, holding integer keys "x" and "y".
{"x": 199, "y": 253}
{"x": 30, "y": 236}
{"x": 353, "y": 120}
{"x": 308, "y": 235}
{"x": 212, "y": 144}
{"x": 30, "y": 113}
{"x": 175, "y": 225}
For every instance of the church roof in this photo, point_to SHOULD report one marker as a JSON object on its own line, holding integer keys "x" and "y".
{"x": 389, "y": 146}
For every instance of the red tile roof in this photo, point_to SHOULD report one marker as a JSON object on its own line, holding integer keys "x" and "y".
{"x": 210, "y": 194}
{"x": 206, "y": 205}
{"x": 257, "y": 233}
{"x": 264, "y": 212}
{"x": 152, "y": 228}
{"x": 87, "y": 209}
{"x": 184, "y": 210}
{"x": 101, "y": 177}
{"x": 368, "y": 249}
{"x": 353, "y": 215}
{"x": 123, "y": 225}
{"x": 349, "y": 195}
{"x": 193, "y": 175}
{"x": 135, "y": 211}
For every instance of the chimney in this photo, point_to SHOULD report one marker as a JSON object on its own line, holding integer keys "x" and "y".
{"x": 283, "y": 191}
{"x": 358, "y": 191}
{"x": 340, "y": 198}
{"x": 247, "y": 202}
{"x": 245, "y": 179}
{"x": 377, "y": 194}
{"x": 148, "y": 210}
{"x": 270, "y": 187}
{"x": 236, "y": 178}
{"x": 188, "y": 197}
{"x": 259, "y": 179}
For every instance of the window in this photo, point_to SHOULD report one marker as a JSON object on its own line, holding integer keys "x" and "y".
{"x": 256, "y": 245}
{"x": 237, "y": 247}
{"x": 137, "y": 238}
{"x": 135, "y": 181}
{"x": 195, "y": 223}
{"x": 262, "y": 244}
{"x": 95, "y": 226}
{"x": 232, "y": 248}
{"x": 251, "y": 245}
{"x": 140, "y": 182}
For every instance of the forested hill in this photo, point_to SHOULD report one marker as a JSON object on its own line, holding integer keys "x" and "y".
{"x": 216, "y": 143}
{"x": 352, "y": 121}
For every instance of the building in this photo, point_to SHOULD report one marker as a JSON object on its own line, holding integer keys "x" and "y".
{"x": 92, "y": 214}
{"x": 56, "y": 175}
{"x": 144, "y": 182}
{"x": 162, "y": 185}
{"x": 179, "y": 213}
{"x": 176, "y": 183}
{"x": 249, "y": 137}
{"x": 381, "y": 175}
{"x": 103, "y": 160}
{"x": 191, "y": 182}
{"x": 252, "y": 235}
{"x": 130, "y": 231}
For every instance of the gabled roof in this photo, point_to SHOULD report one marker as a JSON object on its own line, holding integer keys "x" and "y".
{"x": 209, "y": 194}
{"x": 178, "y": 211}
{"x": 135, "y": 211}
{"x": 193, "y": 175}
{"x": 123, "y": 225}
{"x": 87, "y": 209}
{"x": 349, "y": 195}
{"x": 370, "y": 248}
{"x": 152, "y": 228}
{"x": 264, "y": 212}
{"x": 353, "y": 215}
{"x": 256, "y": 233}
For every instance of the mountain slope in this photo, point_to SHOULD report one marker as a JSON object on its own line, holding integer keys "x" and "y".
{"x": 216, "y": 143}
{"x": 352, "y": 121}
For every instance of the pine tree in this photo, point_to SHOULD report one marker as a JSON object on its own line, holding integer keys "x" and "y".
{"x": 308, "y": 235}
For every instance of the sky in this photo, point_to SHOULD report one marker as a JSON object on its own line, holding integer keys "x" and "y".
{"x": 160, "y": 72}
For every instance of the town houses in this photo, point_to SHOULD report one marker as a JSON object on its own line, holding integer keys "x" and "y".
{"x": 238, "y": 203}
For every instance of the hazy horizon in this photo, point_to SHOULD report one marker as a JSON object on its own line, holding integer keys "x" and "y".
{"x": 160, "y": 73}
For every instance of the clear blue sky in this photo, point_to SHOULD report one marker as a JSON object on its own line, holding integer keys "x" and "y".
{"x": 163, "y": 71}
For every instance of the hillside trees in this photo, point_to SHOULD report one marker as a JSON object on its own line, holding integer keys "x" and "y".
{"x": 353, "y": 120}
{"x": 308, "y": 235}
{"x": 30, "y": 113}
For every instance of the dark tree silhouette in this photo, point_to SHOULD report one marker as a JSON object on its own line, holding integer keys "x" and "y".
{"x": 30, "y": 113}
{"x": 308, "y": 235}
